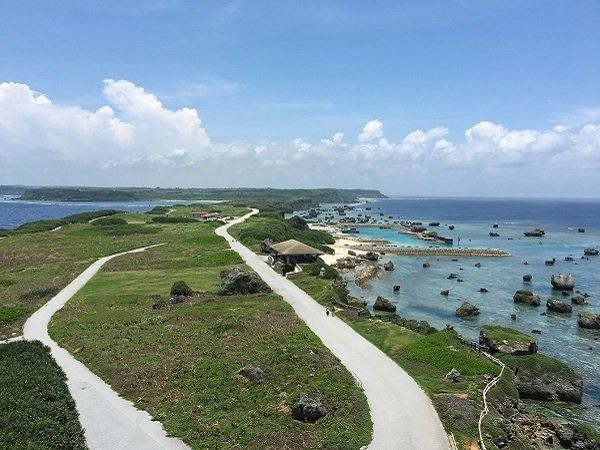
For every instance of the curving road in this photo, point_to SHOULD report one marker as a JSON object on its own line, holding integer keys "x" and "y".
{"x": 402, "y": 414}
{"x": 110, "y": 422}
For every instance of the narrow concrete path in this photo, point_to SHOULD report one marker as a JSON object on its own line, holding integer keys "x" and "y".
{"x": 109, "y": 421}
{"x": 403, "y": 416}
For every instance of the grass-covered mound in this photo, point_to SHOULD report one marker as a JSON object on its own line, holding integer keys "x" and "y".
{"x": 181, "y": 362}
{"x": 109, "y": 221}
{"x": 271, "y": 226}
{"x": 499, "y": 333}
{"x": 36, "y": 408}
{"x": 52, "y": 224}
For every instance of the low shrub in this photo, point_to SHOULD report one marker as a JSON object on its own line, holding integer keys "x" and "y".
{"x": 181, "y": 288}
{"x": 168, "y": 219}
{"x": 5, "y": 282}
{"x": 159, "y": 210}
{"x": 36, "y": 408}
{"x": 109, "y": 221}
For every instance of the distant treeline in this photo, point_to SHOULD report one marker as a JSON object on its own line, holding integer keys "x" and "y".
{"x": 292, "y": 198}
{"x": 52, "y": 224}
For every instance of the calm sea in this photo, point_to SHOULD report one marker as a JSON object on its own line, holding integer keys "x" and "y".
{"x": 15, "y": 212}
{"x": 420, "y": 298}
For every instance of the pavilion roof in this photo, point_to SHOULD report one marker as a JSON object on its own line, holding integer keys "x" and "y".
{"x": 293, "y": 247}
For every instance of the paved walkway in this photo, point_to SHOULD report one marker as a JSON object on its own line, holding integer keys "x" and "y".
{"x": 109, "y": 421}
{"x": 403, "y": 416}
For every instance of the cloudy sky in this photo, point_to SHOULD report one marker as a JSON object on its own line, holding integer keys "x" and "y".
{"x": 449, "y": 97}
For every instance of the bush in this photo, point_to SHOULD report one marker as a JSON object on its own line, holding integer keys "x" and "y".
{"x": 285, "y": 268}
{"x": 181, "y": 288}
{"x": 4, "y": 232}
{"x": 159, "y": 210}
{"x": 166, "y": 219}
{"x": 51, "y": 224}
{"x": 298, "y": 223}
{"x": 109, "y": 221}
{"x": 36, "y": 408}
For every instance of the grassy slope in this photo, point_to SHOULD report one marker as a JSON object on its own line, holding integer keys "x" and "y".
{"x": 499, "y": 334}
{"x": 33, "y": 267}
{"x": 180, "y": 363}
{"x": 427, "y": 359}
{"x": 36, "y": 409}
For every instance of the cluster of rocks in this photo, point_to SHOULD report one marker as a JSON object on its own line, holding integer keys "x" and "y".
{"x": 179, "y": 293}
{"x": 589, "y": 320}
{"x": 253, "y": 373}
{"x": 516, "y": 347}
{"x": 590, "y": 251}
{"x": 366, "y": 274}
{"x": 558, "y": 306}
{"x": 562, "y": 282}
{"x": 236, "y": 281}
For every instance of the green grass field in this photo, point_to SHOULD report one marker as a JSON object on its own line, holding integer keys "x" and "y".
{"x": 180, "y": 363}
{"x": 36, "y": 408}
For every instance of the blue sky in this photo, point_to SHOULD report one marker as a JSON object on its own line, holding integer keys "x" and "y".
{"x": 287, "y": 75}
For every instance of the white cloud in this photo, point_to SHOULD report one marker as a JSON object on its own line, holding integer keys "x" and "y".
{"x": 372, "y": 130}
{"x": 135, "y": 139}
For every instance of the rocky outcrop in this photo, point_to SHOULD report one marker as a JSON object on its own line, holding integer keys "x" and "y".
{"x": 363, "y": 277}
{"x": 370, "y": 256}
{"x": 467, "y": 310}
{"x": 590, "y": 251}
{"x": 527, "y": 277}
{"x": 235, "y": 281}
{"x": 309, "y": 408}
{"x": 388, "y": 266}
{"x": 453, "y": 375}
{"x": 252, "y": 373}
{"x": 527, "y": 298}
{"x": 570, "y": 436}
{"x": 507, "y": 340}
{"x": 579, "y": 300}
{"x": 562, "y": 282}
{"x": 346, "y": 263}
{"x": 589, "y": 320}
{"x": 265, "y": 246}
{"x": 540, "y": 377}
{"x": 396, "y": 288}
{"x": 558, "y": 306}
{"x": 383, "y": 304}
{"x": 445, "y": 293}
{"x": 535, "y": 233}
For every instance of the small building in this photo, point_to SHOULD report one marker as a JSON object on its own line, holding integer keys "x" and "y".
{"x": 294, "y": 252}
{"x": 206, "y": 215}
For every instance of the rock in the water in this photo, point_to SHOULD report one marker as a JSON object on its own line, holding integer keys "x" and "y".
{"x": 590, "y": 251}
{"x": 507, "y": 340}
{"x": 445, "y": 293}
{"x": 558, "y": 306}
{"x": 453, "y": 375}
{"x": 396, "y": 288}
{"x": 309, "y": 409}
{"x": 426, "y": 265}
{"x": 578, "y": 300}
{"x": 371, "y": 256}
{"x": 363, "y": 277}
{"x": 483, "y": 290}
{"x": 383, "y": 304}
{"x": 569, "y": 258}
{"x": 452, "y": 276}
{"x": 467, "y": 310}
{"x": 589, "y": 320}
{"x": 562, "y": 282}
{"x": 265, "y": 246}
{"x": 478, "y": 265}
{"x": 252, "y": 373}
{"x": 526, "y": 297}
{"x": 388, "y": 266}
{"x": 236, "y": 281}
{"x": 527, "y": 277}
{"x": 494, "y": 234}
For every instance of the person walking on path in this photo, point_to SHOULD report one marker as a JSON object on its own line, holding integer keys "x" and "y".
{"x": 327, "y": 312}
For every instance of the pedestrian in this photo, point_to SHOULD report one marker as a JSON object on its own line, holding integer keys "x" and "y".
{"x": 332, "y": 311}
{"x": 327, "y": 312}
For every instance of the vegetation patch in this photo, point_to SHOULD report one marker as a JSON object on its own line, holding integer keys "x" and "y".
{"x": 498, "y": 333}
{"x": 6, "y": 282}
{"x": 10, "y": 314}
{"x": 39, "y": 293}
{"x": 173, "y": 219}
{"x": 109, "y": 221}
{"x": 36, "y": 409}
